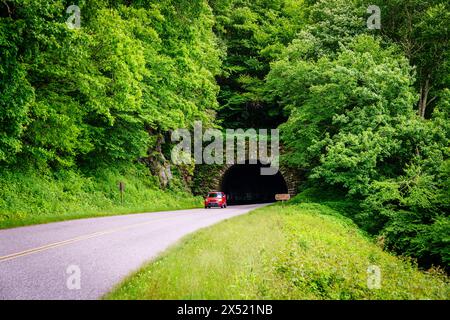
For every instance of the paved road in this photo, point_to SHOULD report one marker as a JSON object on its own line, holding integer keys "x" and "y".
{"x": 43, "y": 261}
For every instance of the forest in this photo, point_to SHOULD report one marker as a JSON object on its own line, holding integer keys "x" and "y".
{"x": 363, "y": 113}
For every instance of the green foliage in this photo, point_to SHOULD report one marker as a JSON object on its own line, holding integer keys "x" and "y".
{"x": 421, "y": 28}
{"x": 345, "y": 102}
{"x": 332, "y": 23}
{"x": 76, "y": 106}
{"x": 92, "y": 95}
{"x": 333, "y": 198}
{"x": 353, "y": 124}
{"x": 252, "y": 33}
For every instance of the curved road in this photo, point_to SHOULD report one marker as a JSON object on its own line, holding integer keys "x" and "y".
{"x": 44, "y": 261}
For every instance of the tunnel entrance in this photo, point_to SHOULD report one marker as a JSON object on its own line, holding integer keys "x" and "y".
{"x": 243, "y": 184}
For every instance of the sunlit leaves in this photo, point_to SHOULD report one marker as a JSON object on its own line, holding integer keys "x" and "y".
{"x": 93, "y": 94}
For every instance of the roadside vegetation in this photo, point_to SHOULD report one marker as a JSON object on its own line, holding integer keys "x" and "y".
{"x": 82, "y": 109}
{"x": 28, "y": 198}
{"x": 296, "y": 251}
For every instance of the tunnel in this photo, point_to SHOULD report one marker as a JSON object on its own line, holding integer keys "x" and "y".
{"x": 244, "y": 184}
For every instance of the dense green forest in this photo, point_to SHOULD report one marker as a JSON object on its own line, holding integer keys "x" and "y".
{"x": 363, "y": 113}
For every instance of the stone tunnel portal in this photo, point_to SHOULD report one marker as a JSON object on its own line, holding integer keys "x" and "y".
{"x": 243, "y": 184}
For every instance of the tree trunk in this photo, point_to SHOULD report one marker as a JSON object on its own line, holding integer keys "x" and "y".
{"x": 424, "y": 90}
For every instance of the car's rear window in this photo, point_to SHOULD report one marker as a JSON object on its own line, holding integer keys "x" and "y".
{"x": 214, "y": 195}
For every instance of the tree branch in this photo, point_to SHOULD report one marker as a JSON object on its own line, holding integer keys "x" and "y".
{"x": 7, "y": 7}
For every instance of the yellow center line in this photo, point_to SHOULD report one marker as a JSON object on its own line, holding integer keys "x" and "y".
{"x": 77, "y": 239}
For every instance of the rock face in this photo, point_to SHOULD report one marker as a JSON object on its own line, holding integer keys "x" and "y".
{"x": 164, "y": 174}
{"x": 158, "y": 164}
{"x": 160, "y": 168}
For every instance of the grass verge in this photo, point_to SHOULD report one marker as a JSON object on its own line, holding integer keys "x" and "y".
{"x": 31, "y": 198}
{"x": 300, "y": 251}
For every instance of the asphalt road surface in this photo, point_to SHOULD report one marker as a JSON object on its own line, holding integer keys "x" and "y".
{"x": 84, "y": 259}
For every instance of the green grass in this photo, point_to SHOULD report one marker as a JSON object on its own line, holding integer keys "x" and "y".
{"x": 300, "y": 251}
{"x": 31, "y": 198}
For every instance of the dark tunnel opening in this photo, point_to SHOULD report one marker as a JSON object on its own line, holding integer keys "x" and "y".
{"x": 244, "y": 184}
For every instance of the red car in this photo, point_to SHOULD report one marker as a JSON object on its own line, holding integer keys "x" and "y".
{"x": 216, "y": 199}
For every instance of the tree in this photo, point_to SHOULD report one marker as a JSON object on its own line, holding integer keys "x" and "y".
{"x": 347, "y": 103}
{"x": 252, "y": 33}
{"x": 422, "y": 30}
{"x": 104, "y": 92}
{"x": 353, "y": 126}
